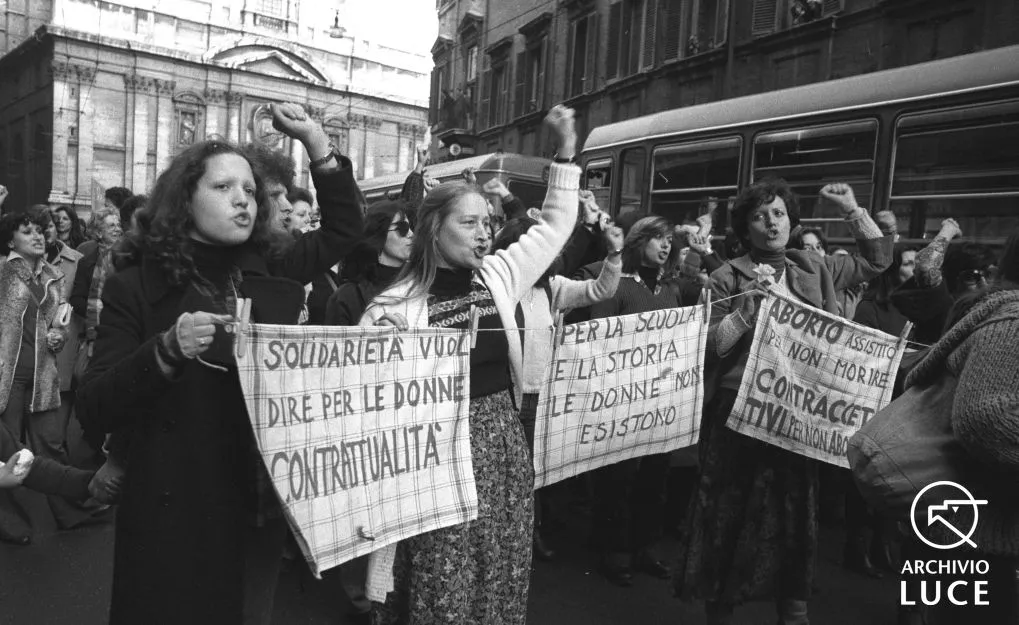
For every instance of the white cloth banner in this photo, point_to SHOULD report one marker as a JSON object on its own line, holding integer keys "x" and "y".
{"x": 813, "y": 379}
{"x": 621, "y": 388}
{"x": 364, "y": 432}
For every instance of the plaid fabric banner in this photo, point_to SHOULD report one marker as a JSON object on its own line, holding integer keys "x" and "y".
{"x": 364, "y": 432}
{"x": 813, "y": 379}
{"x": 621, "y": 388}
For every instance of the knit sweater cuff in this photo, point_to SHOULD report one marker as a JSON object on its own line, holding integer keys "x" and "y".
{"x": 862, "y": 226}
{"x": 564, "y": 176}
{"x": 729, "y": 331}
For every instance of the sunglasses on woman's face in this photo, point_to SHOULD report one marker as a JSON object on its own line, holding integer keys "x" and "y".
{"x": 401, "y": 227}
{"x": 975, "y": 276}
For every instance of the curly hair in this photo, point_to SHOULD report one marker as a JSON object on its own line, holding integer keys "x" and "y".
{"x": 130, "y": 206}
{"x": 270, "y": 165}
{"x": 13, "y": 221}
{"x": 164, "y": 233}
{"x": 117, "y": 196}
{"x": 758, "y": 194}
{"x": 95, "y": 225}
{"x": 300, "y": 194}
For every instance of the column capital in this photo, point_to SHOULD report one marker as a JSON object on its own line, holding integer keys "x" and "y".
{"x": 142, "y": 84}
{"x": 215, "y": 96}
{"x": 165, "y": 87}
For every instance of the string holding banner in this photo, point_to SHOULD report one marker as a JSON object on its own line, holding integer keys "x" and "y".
{"x": 813, "y": 379}
{"x": 620, "y": 388}
{"x": 363, "y": 431}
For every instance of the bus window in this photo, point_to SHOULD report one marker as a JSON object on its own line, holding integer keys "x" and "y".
{"x": 532, "y": 194}
{"x": 632, "y": 181}
{"x": 961, "y": 163}
{"x": 691, "y": 179}
{"x": 598, "y": 179}
{"x": 809, "y": 158}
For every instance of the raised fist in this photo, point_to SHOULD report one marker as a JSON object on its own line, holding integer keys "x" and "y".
{"x": 560, "y": 121}
{"x": 291, "y": 120}
{"x": 950, "y": 229}
{"x": 842, "y": 196}
{"x": 495, "y": 187}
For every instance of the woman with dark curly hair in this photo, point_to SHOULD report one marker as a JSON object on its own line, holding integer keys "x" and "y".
{"x": 69, "y": 228}
{"x": 752, "y": 526}
{"x": 200, "y": 532}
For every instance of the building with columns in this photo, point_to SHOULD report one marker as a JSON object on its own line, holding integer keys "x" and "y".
{"x": 95, "y": 94}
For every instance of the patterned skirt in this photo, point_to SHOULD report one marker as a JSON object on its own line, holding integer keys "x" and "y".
{"x": 752, "y": 523}
{"x": 478, "y": 572}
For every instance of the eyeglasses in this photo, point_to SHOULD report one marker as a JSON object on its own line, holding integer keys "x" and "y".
{"x": 975, "y": 276}
{"x": 401, "y": 227}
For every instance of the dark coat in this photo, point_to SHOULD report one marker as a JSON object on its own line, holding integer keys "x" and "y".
{"x": 47, "y": 476}
{"x": 191, "y": 482}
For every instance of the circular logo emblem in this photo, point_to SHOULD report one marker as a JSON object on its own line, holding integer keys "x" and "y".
{"x": 955, "y": 497}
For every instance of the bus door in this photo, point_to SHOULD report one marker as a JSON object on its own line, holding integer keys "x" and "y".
{"x": 810, "y": 157}
{"x": 960, "y": 162}
{"x": 696, "y": 178}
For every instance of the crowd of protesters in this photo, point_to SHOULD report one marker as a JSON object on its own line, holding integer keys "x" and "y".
{"x": 124, "y": 324}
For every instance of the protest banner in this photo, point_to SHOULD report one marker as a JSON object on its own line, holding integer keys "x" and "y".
{"x": 364, "y": 432}
{"x": 620, "y": 388}
{"x": 813, "y": 379}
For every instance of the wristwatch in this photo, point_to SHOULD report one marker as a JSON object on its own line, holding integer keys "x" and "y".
{"x": 325, "y": 159}
{"x": 556, "y": 158}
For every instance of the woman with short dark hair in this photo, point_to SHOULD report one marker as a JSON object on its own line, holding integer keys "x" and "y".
{"x": 752, "y": 527}
{"x": 33, "y": 329}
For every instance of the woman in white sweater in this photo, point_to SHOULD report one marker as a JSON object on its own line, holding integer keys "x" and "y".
{"x": 477, "y": 572}
{"x": 551, "y": 295}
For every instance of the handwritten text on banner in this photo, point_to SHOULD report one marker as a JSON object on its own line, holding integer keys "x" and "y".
{"x": 813, "y": 379}
{"x": 364, "y": 432}
{"x": 620, "y": 388}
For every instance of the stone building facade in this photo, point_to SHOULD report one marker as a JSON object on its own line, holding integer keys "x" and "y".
{"x": 104, "y": 94}
{"x": 499, "y": 66}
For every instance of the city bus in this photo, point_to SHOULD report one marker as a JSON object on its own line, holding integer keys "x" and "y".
{"x": 526, "y": 177}
{"x": 928, "y": 141}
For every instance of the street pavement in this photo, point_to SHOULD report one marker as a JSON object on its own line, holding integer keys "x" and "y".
{"x": 63, "y": 578}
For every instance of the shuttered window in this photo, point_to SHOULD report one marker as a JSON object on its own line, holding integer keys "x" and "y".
{"x": 519, "y": 95}
{"x": 765, "y": 16}
{"x": 612, "y": 48}
{"x": 650, "y": 30}
{"x": 671, "y": 15}
{"x": 484, "y": 120}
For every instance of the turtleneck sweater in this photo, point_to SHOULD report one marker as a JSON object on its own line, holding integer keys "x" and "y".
{"x": 450, "y": 299}
{"x": 217, "y": 273}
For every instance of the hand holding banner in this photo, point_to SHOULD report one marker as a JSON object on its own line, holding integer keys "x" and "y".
{"x": 363, "y": 431}
{"x": 813, "y": 379}
{"x": 621, "y": 388}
